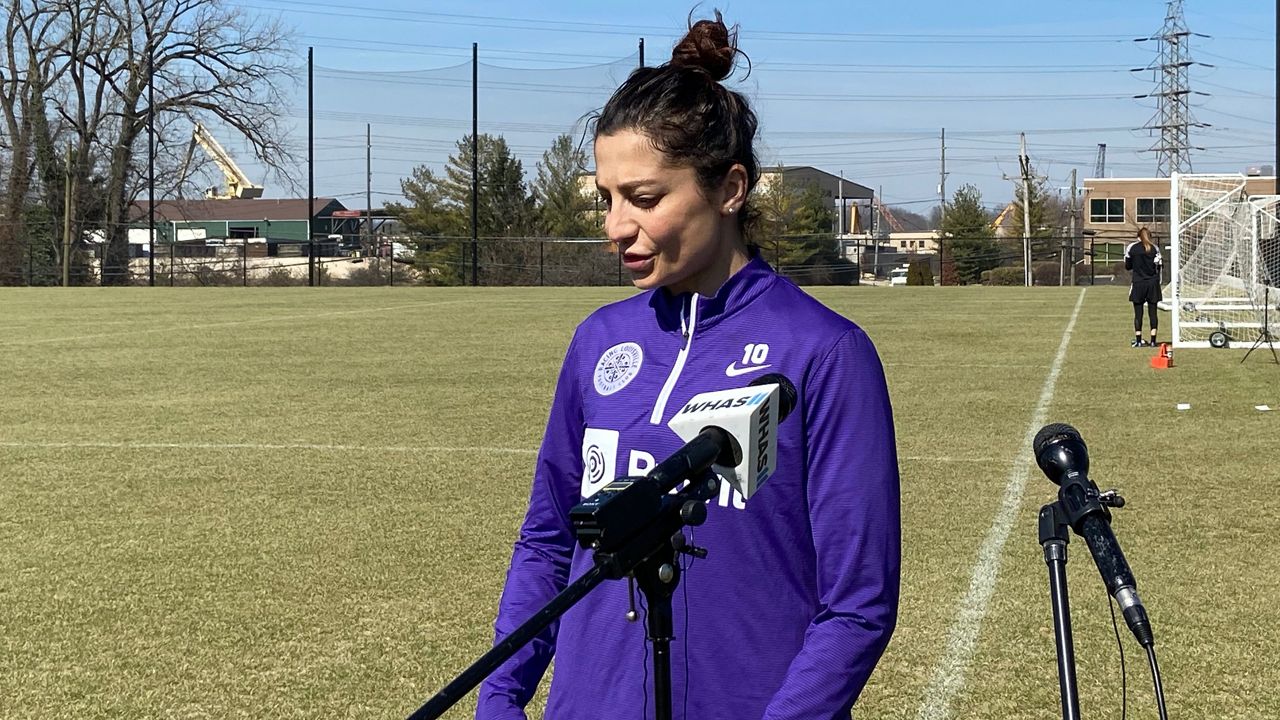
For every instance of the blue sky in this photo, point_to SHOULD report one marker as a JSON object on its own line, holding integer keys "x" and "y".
{"x": 859, "y": 88}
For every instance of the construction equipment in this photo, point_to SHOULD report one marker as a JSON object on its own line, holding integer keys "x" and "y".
{"x": 894, "y": 224}
{"x": 999, "y": 221}
{"x": 238, "y": 185}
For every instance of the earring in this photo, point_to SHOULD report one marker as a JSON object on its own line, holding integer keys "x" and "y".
{"x": 733, "y": 210}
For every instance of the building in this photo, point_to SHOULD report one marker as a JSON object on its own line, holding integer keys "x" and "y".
{"x": 1114, "y": 209}
{"x": 277, "y": 227}
{"x": 914, "y": 242}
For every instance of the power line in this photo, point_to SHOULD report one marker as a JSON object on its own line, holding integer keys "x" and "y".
{"x": 569, "y": 26}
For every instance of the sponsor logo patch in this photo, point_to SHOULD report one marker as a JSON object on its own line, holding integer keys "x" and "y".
{"x": 599, "y": 459}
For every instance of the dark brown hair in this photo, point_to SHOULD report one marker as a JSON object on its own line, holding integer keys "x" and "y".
{"x": 682, "y": 108}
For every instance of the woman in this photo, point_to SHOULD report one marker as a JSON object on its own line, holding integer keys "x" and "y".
{"x": 1142, "y": 260}
{"x": 796, "y": 601}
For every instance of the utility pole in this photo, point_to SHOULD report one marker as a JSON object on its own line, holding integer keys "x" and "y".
{"x": 66, "y": 225}
{"x": 1024, "y": 163}
{"x": 942, "y": 181}
{"x": 1071, "y": 224}
{"x": 151, "y": 160}
{"x": 875, "y": 237}
{"x": 841, "y": 199}
{"x": 475, "y": 164}
{"x": 311, "y": 168}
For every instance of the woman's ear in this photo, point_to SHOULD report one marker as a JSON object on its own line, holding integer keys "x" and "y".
{"x": 733, "y": 189}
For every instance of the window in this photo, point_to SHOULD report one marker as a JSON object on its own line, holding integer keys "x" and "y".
{"x": 1108, "y": 252}
{"x": 1110, "y": 210}
{"x": 1153, "y": 210}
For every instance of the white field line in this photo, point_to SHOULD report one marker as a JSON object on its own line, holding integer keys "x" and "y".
{"x": 984, "y": 366}
{"x": 946, "y": 459}
{"x": 949, "y": 675}
{"x": 263, "y": 446}
{"x": 230, "y": 323}
{"x": 107, "y": 445}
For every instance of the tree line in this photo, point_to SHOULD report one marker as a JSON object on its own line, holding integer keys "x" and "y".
{"x": 968, "y": 238}
{"x": 793, "y": 225}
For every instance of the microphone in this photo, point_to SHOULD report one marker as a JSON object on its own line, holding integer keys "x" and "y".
{"x": 733, "y": 432}
{"x": 1062, "y": 455}
{"x": 744, "y": 426}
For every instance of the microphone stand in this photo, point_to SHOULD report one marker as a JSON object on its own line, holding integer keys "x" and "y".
{"x": 1264, "y": 335}
{"x": 637, "y": 531}
{"x": 1055, "y": 533}
{"x": 1055, "y": 524}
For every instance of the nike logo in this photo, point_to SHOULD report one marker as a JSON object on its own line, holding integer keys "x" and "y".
{"x": 734, "y": 371}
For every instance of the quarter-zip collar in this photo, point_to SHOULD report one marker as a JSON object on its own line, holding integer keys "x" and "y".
{"x": 674, "y": 311}
{"x": 690, "y": 313}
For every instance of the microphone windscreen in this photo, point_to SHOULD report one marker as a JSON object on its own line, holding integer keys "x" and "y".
{"x": 1052, "y": 431}
{"x": 786, "y": 392}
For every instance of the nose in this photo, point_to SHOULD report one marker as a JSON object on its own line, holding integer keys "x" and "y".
{"x": 619, "y": 226}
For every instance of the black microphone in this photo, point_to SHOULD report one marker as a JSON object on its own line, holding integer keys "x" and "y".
{"x": 731, "y": 428}
{"x": 1064, "y": 458}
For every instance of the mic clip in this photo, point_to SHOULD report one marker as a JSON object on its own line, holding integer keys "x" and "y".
{"x": 682, "y": 546}
{"x": 1110, "y": 498}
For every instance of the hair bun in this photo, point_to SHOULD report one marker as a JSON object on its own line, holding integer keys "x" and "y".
{"x": 708, "y": 45}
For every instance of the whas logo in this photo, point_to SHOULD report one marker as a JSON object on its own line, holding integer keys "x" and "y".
{"x": 762, "y": 444}
{"x": 726, "y": 404}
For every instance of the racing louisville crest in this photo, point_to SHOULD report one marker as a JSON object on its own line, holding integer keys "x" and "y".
{"x": 617, "y": 367}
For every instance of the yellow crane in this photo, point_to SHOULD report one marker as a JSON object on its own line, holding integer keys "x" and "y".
{"x": 238, "y": 185}
{"x": 995, "y": 224}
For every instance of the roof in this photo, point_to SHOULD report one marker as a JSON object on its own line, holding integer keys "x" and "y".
{"x": 235, "y": 209}
{"x": 825, "y": 180}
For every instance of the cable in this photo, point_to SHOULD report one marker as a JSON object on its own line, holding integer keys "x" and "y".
{"x": 1124, "y": 675}
{"x": 687, "y": 561}
{"x": 644, "y": 639}
{"x": 1155, "y": 679}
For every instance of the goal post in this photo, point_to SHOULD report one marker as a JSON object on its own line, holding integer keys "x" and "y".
{"x": 1216, "y": 289}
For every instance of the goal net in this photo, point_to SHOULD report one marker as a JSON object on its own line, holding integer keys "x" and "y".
{"x": 1223, "y": 256}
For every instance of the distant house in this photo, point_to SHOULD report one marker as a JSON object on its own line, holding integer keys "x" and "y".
{"x": 278, "y": 227}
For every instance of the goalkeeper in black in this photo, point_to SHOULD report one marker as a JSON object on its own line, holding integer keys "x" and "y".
{"x": 1142, "y": 260}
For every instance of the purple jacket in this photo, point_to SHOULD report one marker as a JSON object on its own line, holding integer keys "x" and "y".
{"x": 792, "y": 608}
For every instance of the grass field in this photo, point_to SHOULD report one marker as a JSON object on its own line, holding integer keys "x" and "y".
{"x": 295, "y": 503}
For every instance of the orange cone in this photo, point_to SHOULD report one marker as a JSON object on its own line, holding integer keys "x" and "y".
{"x": 1164, "y": 359}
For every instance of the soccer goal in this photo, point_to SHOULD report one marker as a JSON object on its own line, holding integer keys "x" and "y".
{"x": 1223, "y": 255}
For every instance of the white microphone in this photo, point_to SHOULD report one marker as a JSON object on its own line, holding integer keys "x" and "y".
{"x": 749, "y": 416}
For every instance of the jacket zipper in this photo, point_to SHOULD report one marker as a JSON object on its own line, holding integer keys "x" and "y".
{"x": 688, "y": 321}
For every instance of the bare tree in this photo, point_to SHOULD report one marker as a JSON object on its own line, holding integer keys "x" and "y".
{"x": 210, "y": 62}
{"x": 27, "y": 70}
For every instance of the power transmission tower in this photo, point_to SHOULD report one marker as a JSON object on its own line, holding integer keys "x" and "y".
{"x": 1173, "y": 92}
{"x": 1100, "y": 163}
